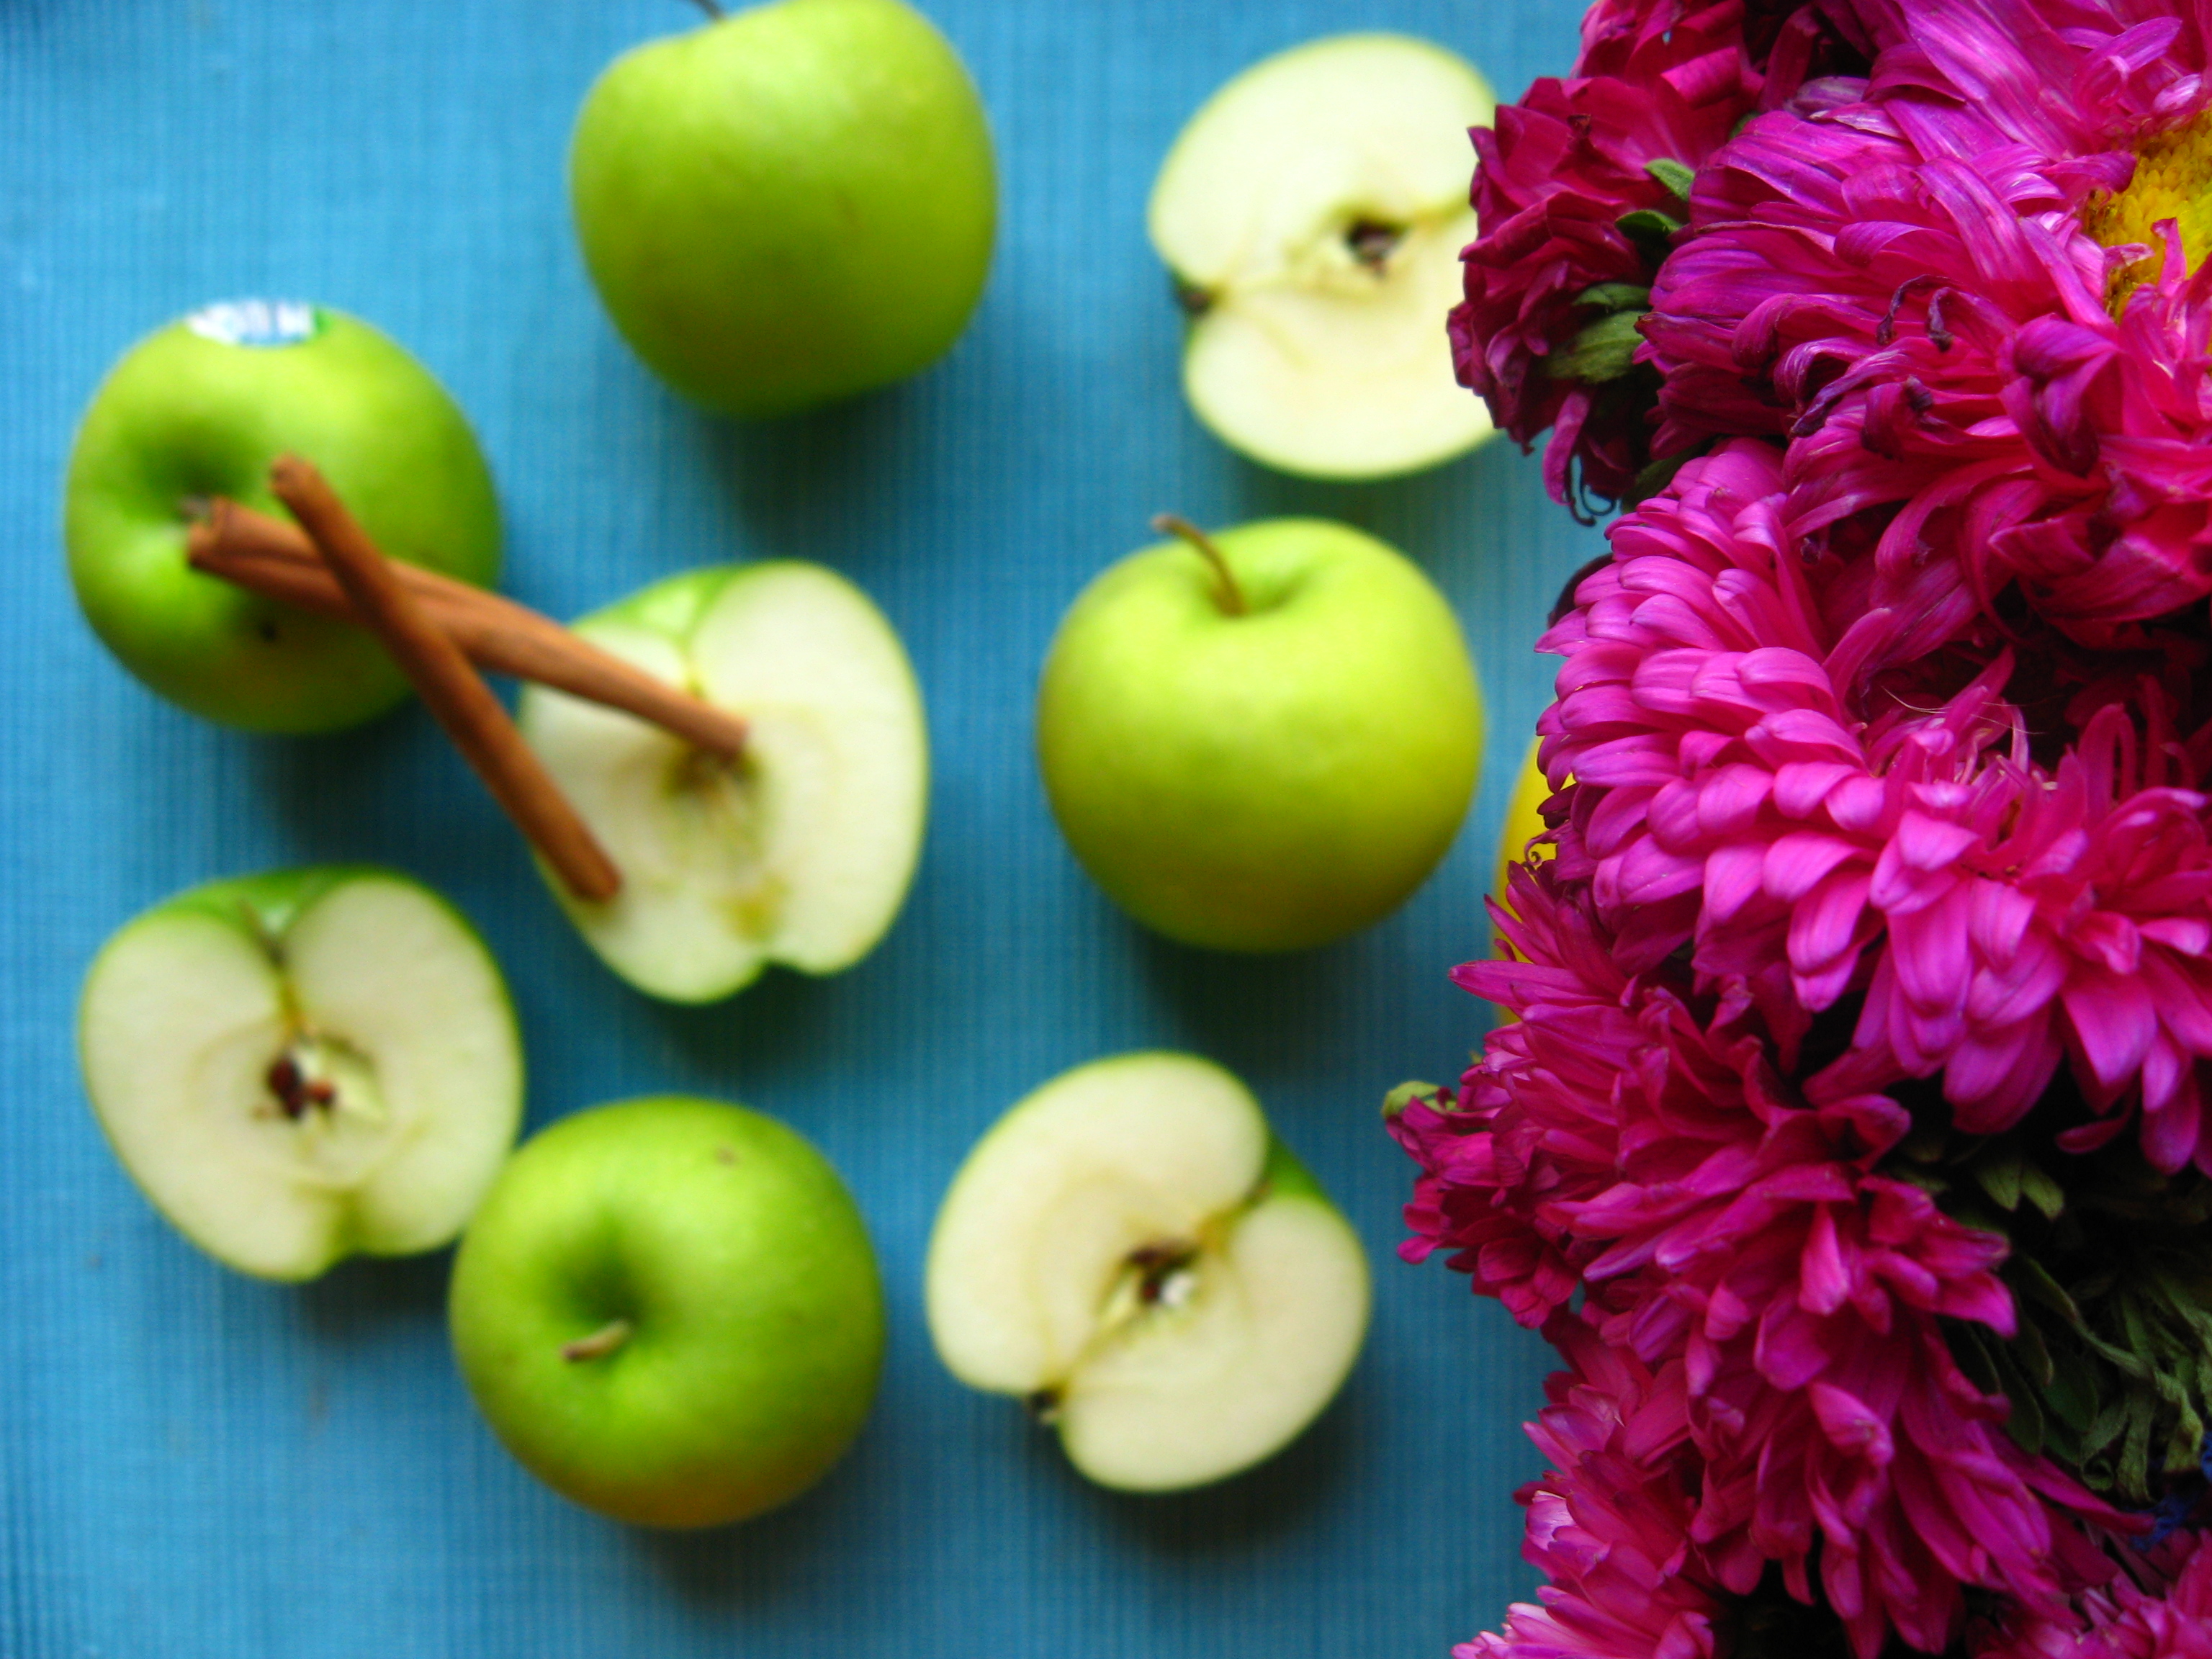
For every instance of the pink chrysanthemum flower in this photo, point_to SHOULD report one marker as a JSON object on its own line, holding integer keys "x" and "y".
{"x": 1608, "y": 1525}
{"x": 1726, "y": 1225}
{"x": 1881, "y": 762}
{"x": 1959, "y": 285}
{"x": 1579, "y": 186}
{"x": 2176, "y": 1625}
{"x": 1749, "y": 782}
{"x": 2168, "y": 1617}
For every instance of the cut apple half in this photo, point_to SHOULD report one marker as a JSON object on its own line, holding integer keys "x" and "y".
{"x": 1312, "y": 214}
{"x": 1132, "y": 1253}
{"x": 303, "y": 1066}
{"x": 799, "y": 851}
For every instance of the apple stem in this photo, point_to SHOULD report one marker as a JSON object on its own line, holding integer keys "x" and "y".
{"x": 1043, "y": 1405}
{"x": 599, "y": 1344}
{"x": 710, "y": 8}
{"x": 1173, "y": 524}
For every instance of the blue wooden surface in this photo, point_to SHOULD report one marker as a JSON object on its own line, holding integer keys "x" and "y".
{"x": 191, "y": 1463}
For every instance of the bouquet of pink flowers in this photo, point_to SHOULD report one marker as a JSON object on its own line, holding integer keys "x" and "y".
{"x": 1849, "y": 1135}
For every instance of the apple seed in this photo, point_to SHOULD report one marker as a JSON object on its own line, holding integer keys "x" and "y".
{"x": 1164, "y": 1274}
{"x": 1195, "y": 301}
{"x": 295, "y": 1091}
{"x": 1372, "y": 242}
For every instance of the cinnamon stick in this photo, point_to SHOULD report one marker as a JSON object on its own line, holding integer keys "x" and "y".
{"x": 277, "y": 560}
{"x": 463, "y": 703}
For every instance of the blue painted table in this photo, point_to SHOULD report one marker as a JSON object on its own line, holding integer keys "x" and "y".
{"x": 192, "y": 1463}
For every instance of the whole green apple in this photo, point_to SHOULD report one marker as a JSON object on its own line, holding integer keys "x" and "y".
{"x": 669, "y": 1310}
{"x": 1266, "y": 748}
{"x": 200, "y": 408}
{"x": 787, "y": 206}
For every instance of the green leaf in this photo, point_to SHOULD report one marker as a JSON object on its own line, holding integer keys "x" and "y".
{"x": 2133, "y": 1476}
{"x": 1653, "y": 476}
{"x": 2024, "y": 1422}
{"x": 2028, "y": 1276}
{"x": 1673, "y": 175}
{"x": 2104, "y": 1428}
{"x": 1616, "y": 297}
{"x": 2029, "y": 1349}
{"x": 1648, "y": 224}
{"x": 1966, "y": 1215}
{"x": 2072, "y": 1396}
{"x": 1406, "y": 1093}
{"x": 2183, "y": 1442}
{"x": 1972, "y": 1350}
{"x": 1915, "y": 1175}
{"x": 1998, "y": 1171}
{"x": 2041, "y": 1190}
{"x": 1605, "y": 350}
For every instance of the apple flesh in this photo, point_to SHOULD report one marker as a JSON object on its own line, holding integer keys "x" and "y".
{"x": 669, "y": 1311}
{"x": 302, "y": 1066}
{"x": 1268, "y": 777}
{"x": 789, "y": 205}
{"x": 1312, "y": 214}
{"x": 201, "y": 408}
{"x": 800, "y": 850}
{"x": 1133, "y": 1252}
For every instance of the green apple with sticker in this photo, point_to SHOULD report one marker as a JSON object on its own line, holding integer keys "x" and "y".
{"x": 303, "y": 1066}
{"x": 200, "y": 408}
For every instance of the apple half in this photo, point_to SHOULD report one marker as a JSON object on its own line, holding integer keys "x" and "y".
{"x": 800, "y": 850}
{"x": 1312, "y": 214}
{"x": 1132, "y": 1253}
{"x": 303, "y": 1066}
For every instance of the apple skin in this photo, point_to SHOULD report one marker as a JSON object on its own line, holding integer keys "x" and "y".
{"x": 788, "y": 206}
{"x": 736, "y": 1253}
{"x": 181, "y": 416}
{"x": 1267, "y": 782}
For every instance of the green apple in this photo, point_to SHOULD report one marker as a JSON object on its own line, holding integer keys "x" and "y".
{"x": 1133, "y": 1252}
{"x": 1268, "y": 765}
{"x": 1524, "y": 821}
{"x": 201, "y": 408}
{"x": 303, "y": 1066}
{"x": 787, "y": 206}
{"x": 1312, "y": 214}
{"x": 798, "y": 852}
{"x": 669, "y": 1310}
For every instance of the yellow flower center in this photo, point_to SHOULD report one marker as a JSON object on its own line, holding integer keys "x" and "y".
{"x": 2173, "y": 180}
